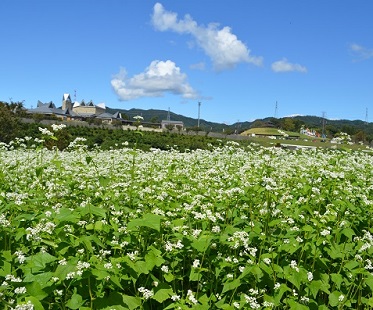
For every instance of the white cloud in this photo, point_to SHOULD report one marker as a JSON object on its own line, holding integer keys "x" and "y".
{"x": 159, "y": 78}
{"x": 361, "y": 52}
{"x": 294, "y": 115}
{"x": 220, "y": 44}
{"x": 198, "y": 66}
{"x": 284, "y": 66}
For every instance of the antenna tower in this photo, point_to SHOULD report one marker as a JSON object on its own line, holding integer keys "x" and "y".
{"x": 323, "y": 124}
{"x": 74, "y": 95}
{"x": 199, "y": 112}
{"x": 168, "y": 115}
{"x": 366, "y": 116}
{"x": 276, "y": 109}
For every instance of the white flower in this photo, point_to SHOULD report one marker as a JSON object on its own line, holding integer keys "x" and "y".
{"x": 196, "y": 263}
{"x": 191, "y": 298}
{"x": 59, "y": 292}
{"x": 108, "y": 266}
{"x": 293, "y": 265}
{"x": 145, "y": 292}
{"x": 267, "y": 260}
{"x": 62, "y": 262}
{"x": 164, "y": 268}
{"x": 20, "y": 290}
{"x": 341, "y": 297}
{"x": 175, "y": 297}
{"x": 309, "y": 276}
{"x": 325, "y": 232}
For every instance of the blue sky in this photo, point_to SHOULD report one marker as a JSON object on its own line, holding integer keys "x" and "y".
{"x": 238, "y": 58}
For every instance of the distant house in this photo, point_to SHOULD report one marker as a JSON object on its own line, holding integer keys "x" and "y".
{"x": 109, "y": 118}
{"x": 75, "y": 110}
{"x": 50, "y": 109}
{"x": 176, "y": 124}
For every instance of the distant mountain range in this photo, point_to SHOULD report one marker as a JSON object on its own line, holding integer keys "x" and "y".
{"x": 315, "y": 122}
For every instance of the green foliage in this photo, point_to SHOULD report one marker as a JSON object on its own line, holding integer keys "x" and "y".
{"x": 9, "y": 122}
{"x": 223, "y": 228}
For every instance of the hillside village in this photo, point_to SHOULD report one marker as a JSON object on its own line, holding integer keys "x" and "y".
{"x": 90, "y": 112}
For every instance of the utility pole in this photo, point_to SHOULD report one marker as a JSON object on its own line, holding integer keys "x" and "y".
{"x": 199, "y": 112}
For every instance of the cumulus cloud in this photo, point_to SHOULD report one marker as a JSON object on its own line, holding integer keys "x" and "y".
{"x": 284, "y": 66}
{"x": 159, "y": 78}
{"x": 361, "y": 52}
{"x": 220, "y": 44}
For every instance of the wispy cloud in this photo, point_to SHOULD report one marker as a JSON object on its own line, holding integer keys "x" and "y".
{"x": 198, "y": 66}
{"x": 220, "y": 44}
{"x": 284, "y": 65}
{"x": 361, "y": 52}
{"x": 159, "y": 78}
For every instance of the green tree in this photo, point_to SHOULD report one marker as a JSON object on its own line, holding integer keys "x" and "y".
{"x": 288, "y": 124}
{"x": 169, "y": 127}
{"x": 360, "y": 136}
{"x": 9, "y": 123}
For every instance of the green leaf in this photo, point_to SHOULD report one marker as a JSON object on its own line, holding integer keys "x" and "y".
{"x": 93, "y": 210}
{"x": 296, "y": 305}
{"x": 75, "y": 302}
{"x": 280, "y": 292}
{"x": 337, "y": 279}
{"x": 231, "y": 285}
{"x": 348, "y": 232}
{"x": 88, "y": 159}
{"x": 169, "y": 277}
{"x": 7, "y": 255}
{"x": 36, "y": 303}
{"x": 104, "y": 181}
{"x": 34, "y": 289}
{"x": 41, "y": 278}
{"x": 63, "y": 270}
{"x": 58, "y": 163}
{"x": 140, "y": 267}
{"x": 202, "y": 243}
{"x": 334, "y": 298}
{"x": 39, "y": 171}
{"x": 367, "y": 301}
{"x": 150, "y": 220}
{"x": 369, "y": 281}
{"x": 352, "y": 264}
{"x": 162, "y": 292}
{"x": 132, "y": 302}
{"x": 153, "y": 258}
{"x": 65, "y": 215}
{"x": 335, "y": 252}
{"x": 314, "y": 287}
{"x": 194, "y": 275}
{"x": 40, "y": 260}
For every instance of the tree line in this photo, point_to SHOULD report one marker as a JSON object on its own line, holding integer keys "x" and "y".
{"x": 12, "y": 126}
